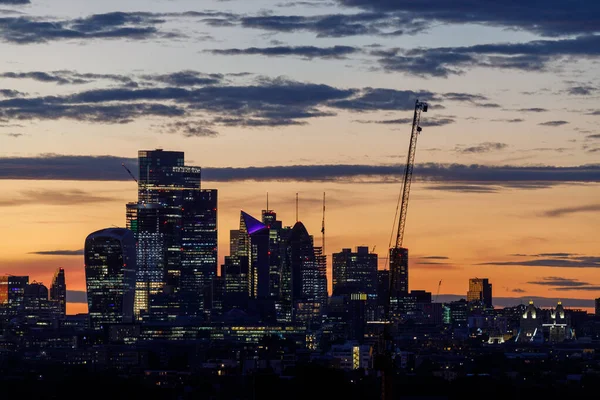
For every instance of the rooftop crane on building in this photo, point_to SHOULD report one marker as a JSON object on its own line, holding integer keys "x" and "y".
{"x": 396, "y": 253}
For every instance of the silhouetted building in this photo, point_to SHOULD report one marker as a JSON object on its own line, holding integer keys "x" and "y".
{"x": 58, "y": 292}
{"x": 175, "y": 224}
{"x": 399, "y": 268}
{"x": 235, "y": 273}
{"x": 480, "y": 292}
{"x": 276, "y": 230}
{"x": 597, "y": 307}
{"x": 12, "y": 294}
{"x": 38, "y": 309}
{"x": 253, "y": 246}
{"x": 357, "y": 269}
{"x": 300, "y": 272}
{"x": 110, "y": 274}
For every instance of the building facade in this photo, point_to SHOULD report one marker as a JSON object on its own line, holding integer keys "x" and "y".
{"x": 110, "y": 273}
{"x": 175, "y": 225}
{"x": 356, "y": 269}
{"x": 480, "y": 292}
{"x": 58, "y": 292}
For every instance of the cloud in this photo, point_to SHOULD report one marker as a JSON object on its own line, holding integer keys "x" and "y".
{"x": 331, "y": 25}
{"x": 53, "y": 198}
{"x": 372, "y": 99}
{"x": 13, "y": 135}
{"x": 593, "y": 136}
{"x": 548, "y": 20}
{"x": 559, "y": 282}
{"x": 560, "y": 212}
{"x": 426, "y": 123}
{"x": 464, "y": 188}
{"x": 565, "y": 284}
{"x": 553, "y": 123}
{"x": 108, "y": 168}
{"x": 517, "y": 290}
{"x": 485, "y": 147}
{"x": 509, "y": 120}
{"x": 59, "y": 252}
{"x": 15, "y": 1}
{"x": 533, "y": 109}
{"x": 434, "y": 258}
{"x": 581, "y": 90}
{"x": 115, "y": 25}
{"x": 445, "y": 61}
{"x": 186, "y": 78}
{"x": 191, "y": 129}
{"x": 556, "y": 262}
{"x": 308, "y": 52}
{"x": 11, "y": 93}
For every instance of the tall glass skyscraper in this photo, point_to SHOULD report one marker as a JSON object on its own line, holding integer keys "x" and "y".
{"x": 110, "y": 274}
{"x": 175, "y": 225}
{"x": 58, "y": 292}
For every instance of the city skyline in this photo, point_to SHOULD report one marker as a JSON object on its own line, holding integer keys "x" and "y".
{"x": 275, "y": 123}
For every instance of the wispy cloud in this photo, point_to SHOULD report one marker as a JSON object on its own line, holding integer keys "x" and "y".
{"x": 69, "y": 167}
{"x": 307, "y": 52}
{"x": 59, "y": 252}
{"x": 554, "y": 123}
{"x": 53, "y": 198}
{"x": 560, "y": 212}
{"x": 547, "y": 260}
{"x": 485, "y": 147}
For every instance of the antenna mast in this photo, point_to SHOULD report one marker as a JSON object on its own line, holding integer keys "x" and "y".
{"x": 323, "y": 225}
{"x": 296, "y": 206}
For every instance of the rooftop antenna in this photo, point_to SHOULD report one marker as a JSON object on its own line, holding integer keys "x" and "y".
{"x": 296, "y": 206}
{"x": 323, "y": 225}
{"x": 267, "y": 201}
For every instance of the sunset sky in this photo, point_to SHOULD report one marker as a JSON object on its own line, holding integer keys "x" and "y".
{"x": 310, "y": 97}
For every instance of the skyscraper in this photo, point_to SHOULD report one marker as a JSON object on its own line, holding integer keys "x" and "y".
{"x": 597, "y": 310}
{"x": 399, "y": 271}
{"x": 357, "y": 270}
{"x": 12, "y": 294}
{"x": 58, "y": 292}
{"x": 175, "y": 224}
{"x": 301, "y": 283}
{"x": 253, "y": 244}
{"x": 110, "y": 273}
{"x": 480, "y": 292}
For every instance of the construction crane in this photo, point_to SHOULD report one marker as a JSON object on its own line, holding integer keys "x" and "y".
{"x": 438, "y": 291}
{"x": 397, "y": 255}
{"x": 129, "y": 171}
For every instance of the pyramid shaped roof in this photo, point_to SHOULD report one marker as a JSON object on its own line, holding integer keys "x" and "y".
{"x": 252, "y": 224}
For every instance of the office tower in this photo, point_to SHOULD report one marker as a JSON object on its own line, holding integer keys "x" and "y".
{"x": 175, "y": 224}
{"x": 480, "y": 292}
{"x": 597, "y": 307}
{"x": 253, "y": 244}
{"x": 399, "y": 267}
{"x": 58, "y": 292}
{"x": 12, "y": 294}
{"x": 38, "y": 310}
{"x": 320, "y": 287}
{"x": 236, "y": 276}
{"x": 275, "y": 227}
{"x": 110, "y": 274}
{"x": 355, "y": 269}
{"x": 233, "y": 241}
{"x": 300, "y": 283}
{"x": 145, "y": 220}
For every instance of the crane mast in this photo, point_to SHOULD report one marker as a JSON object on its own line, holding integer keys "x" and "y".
{"x": 408, "y": 170}
{"x": 398, "y": 255}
